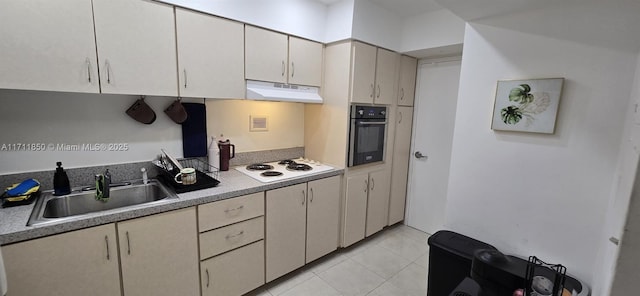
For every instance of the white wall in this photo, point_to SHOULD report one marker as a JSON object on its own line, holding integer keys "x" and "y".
{"x": 339, "y": 21}
{"x": 74, "y": 118}
{"x": 530, "y": 194}
{"x": 231, "y": 118}
{"x": 621, "y": 222}
{"x": 304, "y": 18}
{"x": 431, "y": 30}
{"x": 376, "y": 25}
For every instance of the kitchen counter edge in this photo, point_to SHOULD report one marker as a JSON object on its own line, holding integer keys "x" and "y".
{"x": 13, "y": 228}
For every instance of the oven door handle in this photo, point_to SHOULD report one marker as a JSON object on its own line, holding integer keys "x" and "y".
{"x": 371, "y": 123}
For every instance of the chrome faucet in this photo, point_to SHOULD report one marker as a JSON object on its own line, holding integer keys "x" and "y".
{"x": 103, "y": 185}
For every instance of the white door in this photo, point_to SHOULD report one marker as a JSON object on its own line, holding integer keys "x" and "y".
{"x": 434, "y": 118}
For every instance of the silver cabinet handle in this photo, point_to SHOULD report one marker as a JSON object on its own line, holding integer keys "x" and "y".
{"x": 400, "y": 116}
{"x": 419, "y": 155}
{"x": 311, "y": 189}
{"x": 372, "y": 91}
{"x": 128, "y": 244}
{"x": 293, "y": 69}
{"x": 303, "y": 197}
{"x": 207, "y": 272}
{"x": 401, "y": 93}
{"x": 185, "y": 77}
{"x": 227, "y": 211}
{"x": 106, "y": 241}
{"x": 366, "y": 185}
{"x": 230, "y": 236}
{"x": 373, "y": 184}
{"x": 88, "y": 69}
{"x": 282, "y": 68}
{"x": 108, "y": 68}
{"x": 378, "y": 91}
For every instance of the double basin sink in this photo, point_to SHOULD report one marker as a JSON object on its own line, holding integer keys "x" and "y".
{"x": 55, "y": 209}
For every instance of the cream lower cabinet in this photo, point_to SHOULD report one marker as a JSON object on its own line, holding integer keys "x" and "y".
{"x": 77, "y": 263}
{"x": 159, "y": 254}
{"x": 232, "y": 245}
{"x": 366, "y": 206}
{"x": 400, "y": 168}
{"x": 301, "y": 224}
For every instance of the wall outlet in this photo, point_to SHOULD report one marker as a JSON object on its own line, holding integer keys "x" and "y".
{"x": 258, "y": 123}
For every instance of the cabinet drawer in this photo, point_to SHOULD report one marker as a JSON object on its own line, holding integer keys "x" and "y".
{"x": 228, "y": 211}
{"x": 234, "y": 273}
{"x": 230, "y": 237}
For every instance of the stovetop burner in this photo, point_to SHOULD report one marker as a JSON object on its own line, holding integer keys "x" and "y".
{"x": 271, "y": 174}
{"x": 259, "y": 167}
{"x": 286, "y": 162}
{"x": 299, "y": 167}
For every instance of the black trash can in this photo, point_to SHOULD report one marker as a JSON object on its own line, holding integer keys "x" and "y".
{"x": 450, "y": 257}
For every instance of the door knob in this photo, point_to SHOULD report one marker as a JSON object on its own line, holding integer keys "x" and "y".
{"x": 419, "y": 155}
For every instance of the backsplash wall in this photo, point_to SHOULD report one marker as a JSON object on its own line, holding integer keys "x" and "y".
{"x": 60, "y": 118}
{"x": 231, "y": 118}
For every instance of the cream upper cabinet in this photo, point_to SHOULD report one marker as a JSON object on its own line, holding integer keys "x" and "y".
{"x": 83, "y": 262}
{"x": 276, "y": 57}
{"x": 407, "y": 81}
{"x": 363, "y": 73}
{"x": 305, "y": 62}
{"x": 378, "y": 201}
{"x": 48, "y": 45}
{"x": 400, "y": 164}
{"x": 323, "y": 217}
{"x": 265, "y": 55}
{"x": 285, "y": 230}
{"x": 136, "y": 44}
{"x": 373, "y": 74}
{"x": 210, "y": 56}
{"x": 355, "y": 210}
{"x": 159, "y": 254}
{"x": 386, "y": 76}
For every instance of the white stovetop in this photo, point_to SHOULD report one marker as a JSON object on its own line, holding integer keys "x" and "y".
{"x": 317, "y": 167}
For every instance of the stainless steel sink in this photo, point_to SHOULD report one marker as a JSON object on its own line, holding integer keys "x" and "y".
{"x": 52, "y": 209}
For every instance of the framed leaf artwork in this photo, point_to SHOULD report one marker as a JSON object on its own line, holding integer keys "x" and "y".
{"x": 527, "y": 105}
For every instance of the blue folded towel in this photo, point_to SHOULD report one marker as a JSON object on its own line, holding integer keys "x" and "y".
{"x": 23, "y": 188}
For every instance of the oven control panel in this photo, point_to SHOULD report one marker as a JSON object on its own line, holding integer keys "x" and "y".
{"x": 360, "y": 111}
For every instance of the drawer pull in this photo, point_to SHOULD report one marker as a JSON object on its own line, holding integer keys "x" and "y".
{"x": 128, "y": 244}
{"x": 230, "y": 236}
{"x": 233, "y": 210}
{"x": 106, "y": 241}
{"x": 207, "y": 272}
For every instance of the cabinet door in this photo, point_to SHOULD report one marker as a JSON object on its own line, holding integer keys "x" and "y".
{"x": 285, "y": 229}
{"x": 386, "y": 77}
{"x": 265, "y": 55}
{"x": 400, "y": 168}
{"x": 234, "y": 273}
{"x": 83, "y": 262}
{"x": 159, "y": 254}
{"x": 210, "y": 56}
{"x": 407, "y": 81}
{"x": 323, "y": 217}
{"x": 136, "y": 47}
{"x": 305, "y": 62}
{"x": 48, "y": 45}
{"x": 378, "y": 202}
{"x": 355, "y": 210}
{"x": 363, "y": 70}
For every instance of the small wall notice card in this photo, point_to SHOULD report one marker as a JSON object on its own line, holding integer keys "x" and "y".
{"x": 527, "y": 105}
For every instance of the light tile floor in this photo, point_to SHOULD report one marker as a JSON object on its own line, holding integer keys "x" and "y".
{"x": 389, "y": 263}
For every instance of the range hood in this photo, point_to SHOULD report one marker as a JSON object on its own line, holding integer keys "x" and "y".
{"x": 260, "y": 90}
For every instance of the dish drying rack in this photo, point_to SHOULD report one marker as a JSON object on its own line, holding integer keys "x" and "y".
{"x": 207, "y": 176}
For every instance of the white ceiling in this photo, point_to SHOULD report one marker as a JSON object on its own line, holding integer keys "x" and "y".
{"x": 402, "y": 8}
